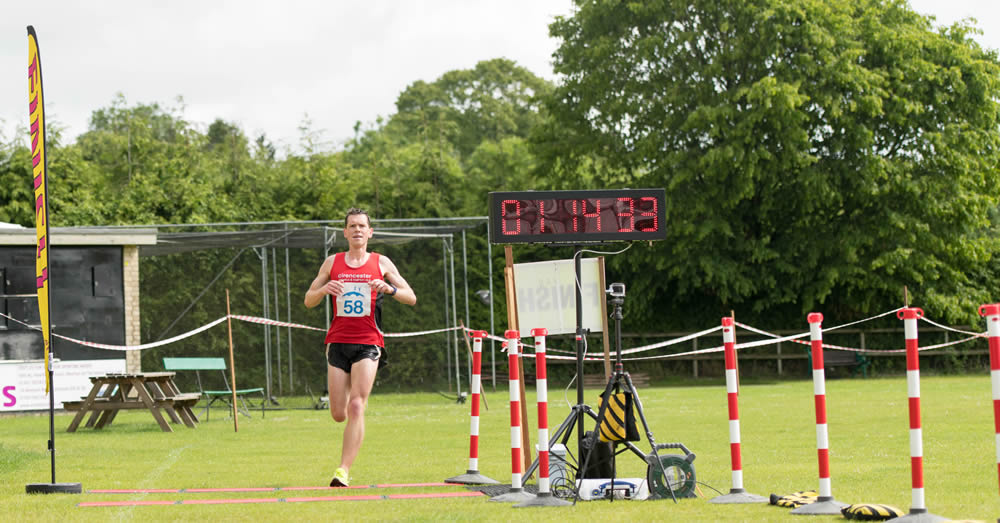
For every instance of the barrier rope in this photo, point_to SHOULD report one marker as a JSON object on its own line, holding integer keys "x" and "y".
{"x": 125, "y": 347}
{"x": 952, "y": 329}
{"x": 251, "y": 319}
{"x": 571, "y": 355}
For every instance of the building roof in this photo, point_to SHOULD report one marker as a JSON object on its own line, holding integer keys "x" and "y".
{"x": 79, "y": 236}
{"x": 157, "y": 240}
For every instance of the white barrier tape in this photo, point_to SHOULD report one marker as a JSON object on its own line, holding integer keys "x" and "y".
{"x": 146, "y": 345}
{"x": 777, "y": 339}
{"x": 266, "y": 321}
{"x": 673, "y": 341}
{"x": 886, "y": 313}
{"x": 126, "y": 347}
{"x": 975, "y": 334}
{"x": 252, "y": 319}
{"x": 839, "y": 347}
{"x": 421, "y": 333}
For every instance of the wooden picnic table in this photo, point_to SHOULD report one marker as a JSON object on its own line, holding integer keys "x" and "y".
{"x": 153, "y": 391}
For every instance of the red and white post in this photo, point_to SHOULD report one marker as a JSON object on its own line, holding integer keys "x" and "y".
{"x": 736, "y": 494}
{"x": 992, "y": 314}
{"x": 824, "y": 504}
{"x": 541, "y": 386}
{"x": 544, "y": 496}
{"x": 516, "y": 492}
{"x": 472, "y": 475}
{"x": 918, "y": 507}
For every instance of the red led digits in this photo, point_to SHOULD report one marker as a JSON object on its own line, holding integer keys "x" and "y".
{"x": 650, "y": 213}
{"x": 630, "y": 214}
{"x": 596, "y": 214}
{"x": 592, "y": 215}
{"x": 517, "y": 217}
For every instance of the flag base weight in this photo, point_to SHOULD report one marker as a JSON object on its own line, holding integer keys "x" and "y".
{"x": 53, "y": 488}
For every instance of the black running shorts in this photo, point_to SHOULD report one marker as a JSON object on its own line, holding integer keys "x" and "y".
{"x": 343, "y": 355}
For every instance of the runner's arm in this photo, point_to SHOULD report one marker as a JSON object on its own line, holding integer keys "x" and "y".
{"x": 390, "y": 274}
{"x": 323, "y": 285}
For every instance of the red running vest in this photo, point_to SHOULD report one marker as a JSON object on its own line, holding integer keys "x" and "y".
{"x": 347, "y": 325}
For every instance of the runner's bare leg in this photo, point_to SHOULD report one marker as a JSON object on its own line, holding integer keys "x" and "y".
{"x": 360, "y": 383}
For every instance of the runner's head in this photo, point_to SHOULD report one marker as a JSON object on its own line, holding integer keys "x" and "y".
{"x": 355, "y": 211}
{"x": 357, "y": 228}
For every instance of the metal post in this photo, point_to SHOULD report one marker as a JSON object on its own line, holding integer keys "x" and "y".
{"x": 267, "y": 328}
{"x": 277, "y": 317}
{"x": 493, "y": 360}
{"x": 454, "y": 315}
{"x": 326, "y": 254}
{"x": 288, "y": 316}
{"x": 447, "y": 350}
{"x": 465, "y": 278}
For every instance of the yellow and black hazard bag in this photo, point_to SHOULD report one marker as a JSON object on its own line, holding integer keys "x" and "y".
{"x": 795, "y": 499}
{"x": 870, "y": 512}
{"x": 619, "y": 419}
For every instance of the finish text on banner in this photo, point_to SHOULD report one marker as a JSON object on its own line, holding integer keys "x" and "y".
{"x": 36, "y": 112}
{"x": 546, "y": 295}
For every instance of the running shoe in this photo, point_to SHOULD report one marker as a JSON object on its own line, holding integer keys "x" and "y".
{"x": 339, "y": 478}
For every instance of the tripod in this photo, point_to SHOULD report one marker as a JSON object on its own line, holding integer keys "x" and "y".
{"x": 621, "y": 380}
{"x": 680, "y": 468}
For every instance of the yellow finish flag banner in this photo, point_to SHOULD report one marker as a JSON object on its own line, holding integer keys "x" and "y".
{"x": 36, "y": 112}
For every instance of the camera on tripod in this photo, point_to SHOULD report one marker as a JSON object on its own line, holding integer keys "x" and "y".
{"x": 617, "y": 290}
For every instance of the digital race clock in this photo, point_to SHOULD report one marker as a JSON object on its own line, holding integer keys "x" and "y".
{"x": 577, "y": 216}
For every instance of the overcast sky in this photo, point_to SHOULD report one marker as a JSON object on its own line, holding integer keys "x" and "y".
{"x": 266, "y": 65}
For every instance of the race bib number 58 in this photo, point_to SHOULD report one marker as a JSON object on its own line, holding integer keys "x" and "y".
{"x": 356, "y": 300}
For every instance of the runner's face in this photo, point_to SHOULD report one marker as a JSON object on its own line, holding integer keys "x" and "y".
{"x": 357, "y": 231}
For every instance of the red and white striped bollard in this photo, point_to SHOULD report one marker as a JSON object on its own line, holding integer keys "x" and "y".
{"x": 736, "y": 494}
{"x": 516, "y": 492}
{"x": 472, "y": 475}
{"x": 992, "y": 314}
{"x": 918, "y": 506}
{"x": 824, "y": 504}
{"x": 544, "y": 496}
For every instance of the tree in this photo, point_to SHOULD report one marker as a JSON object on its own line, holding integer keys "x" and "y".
{"x": 815, "y": 152}
{"x": 494, "y": 100}
{"x": 152, "y": 166}
{"x": 228, "y": 143}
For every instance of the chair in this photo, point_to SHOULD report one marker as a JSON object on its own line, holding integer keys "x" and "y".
{"x": 200, "y": 364}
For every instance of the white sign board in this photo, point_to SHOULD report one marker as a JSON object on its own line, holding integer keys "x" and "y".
{"x": 22, "y": 382}
{"x": 546, "y": 296}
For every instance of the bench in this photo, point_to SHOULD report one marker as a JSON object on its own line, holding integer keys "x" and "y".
{"x": 843, "y": 358}
{"x": 186, "y": 399}
{"x": 200, "y": 364}
{"x": 639, "y": 379}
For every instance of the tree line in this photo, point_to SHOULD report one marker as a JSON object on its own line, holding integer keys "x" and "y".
{"x": 817, "y": 155}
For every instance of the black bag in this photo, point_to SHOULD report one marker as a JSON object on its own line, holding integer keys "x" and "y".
{"x": 599, "y": 466}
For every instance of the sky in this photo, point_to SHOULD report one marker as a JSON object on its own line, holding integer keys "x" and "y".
{"x": 270, "y": 66}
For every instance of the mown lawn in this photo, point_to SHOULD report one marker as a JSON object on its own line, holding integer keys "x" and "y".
{"x": 423, "y": 437}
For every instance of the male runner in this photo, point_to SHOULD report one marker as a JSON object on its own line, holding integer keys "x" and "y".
{"x": 358, "y": 280}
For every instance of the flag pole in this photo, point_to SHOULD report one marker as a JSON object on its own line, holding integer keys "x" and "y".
{"x": 36, "y": 116}
{"x": 232, "y": 365}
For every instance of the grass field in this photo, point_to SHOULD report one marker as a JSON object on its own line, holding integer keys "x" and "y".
{"x": 423, "y": 437}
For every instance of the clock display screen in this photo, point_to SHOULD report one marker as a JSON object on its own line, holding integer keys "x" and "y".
{"x": 577, "y": 216}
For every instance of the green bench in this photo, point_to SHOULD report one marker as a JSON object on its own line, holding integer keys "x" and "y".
{"x": 224, "y": 396}
{"x": 843, "y": 358}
